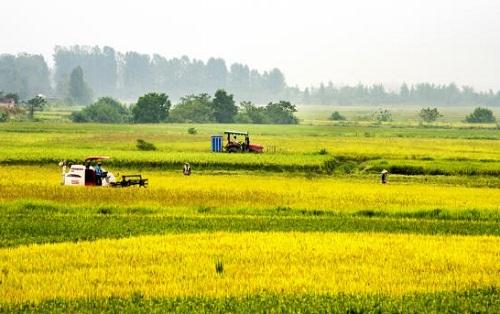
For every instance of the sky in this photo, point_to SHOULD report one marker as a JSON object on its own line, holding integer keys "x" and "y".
{"x": 313, "y": 41}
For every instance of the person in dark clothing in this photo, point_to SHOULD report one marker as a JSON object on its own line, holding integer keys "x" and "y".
{"x": 383, "y": 176}
{"x": 98, "y": 174}
{"x": 186, "y": 170}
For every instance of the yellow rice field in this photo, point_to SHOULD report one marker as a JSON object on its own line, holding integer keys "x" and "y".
{"x": 288, "y": 263}
{"x": 169, "y": 190}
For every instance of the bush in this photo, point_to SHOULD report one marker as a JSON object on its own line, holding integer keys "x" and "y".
{"x": 429, "y": 115}
{"x": 382, "y": 115}
{"x": 105, "y": 110}
{"x": 336, "y": 116}
{"x": 192, "y": 131}
{"x": 4, "y": 116}
{"x": 145, "y": 146}
{"x": 481, "y": 115}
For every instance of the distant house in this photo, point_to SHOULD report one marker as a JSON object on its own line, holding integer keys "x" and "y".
{"x": 7, "y": 103}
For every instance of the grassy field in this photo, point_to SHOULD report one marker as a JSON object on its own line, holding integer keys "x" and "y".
{"x": 304, "y": 227}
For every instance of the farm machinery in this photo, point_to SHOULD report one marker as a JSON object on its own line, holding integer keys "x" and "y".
{"x": 92, "y": 174}
{"x": 233, "y": 145}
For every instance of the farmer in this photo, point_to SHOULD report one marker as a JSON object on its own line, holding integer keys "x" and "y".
{"x": 383, "y": 176}
{"x": 186, "y": 170}
{"x": 98, "y": 174}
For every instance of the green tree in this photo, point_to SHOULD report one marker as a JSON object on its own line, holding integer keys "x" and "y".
{"x": 36, "y": 103}
{"x": 336, "y": 116}
{"x": 151, "y": 108}
{"x": 429, "y": 115}
{"x": 105, "y": 110}
{"x": 224, "y": 107}
{"x": 79, "y": 92}
{"x": 250, "y": 113}
{"x": 281, "y": 113}
{"x": 481, "y": 115}
{"x": 193, "y": 108}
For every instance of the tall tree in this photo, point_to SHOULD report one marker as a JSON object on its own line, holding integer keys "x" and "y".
{"x": 224, "y": 107}
{"x": 79, "y": 92}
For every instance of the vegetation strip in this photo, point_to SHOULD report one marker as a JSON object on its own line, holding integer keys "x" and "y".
{"x": 237, "y": 264}
{"x": 49, "y": 228}
{"x": 468, "y": 301}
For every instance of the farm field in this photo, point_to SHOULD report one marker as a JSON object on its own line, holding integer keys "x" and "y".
{"x": 306, "y": 226}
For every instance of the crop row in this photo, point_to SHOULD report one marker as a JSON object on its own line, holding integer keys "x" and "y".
{"x": 30, "y": 223}
{"x": 468, "y": 301}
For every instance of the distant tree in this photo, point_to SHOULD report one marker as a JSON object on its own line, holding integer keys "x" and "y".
{"x": 26, "y": 75}
{"x": 79, "y": 92}
{"x": 105, "y": 110}
{"x": 382, "y": 115}
{"x": 193, "y": 108}
{"x": 250, "y": 113}
{"x": 281, "y": 113}
{"x": 224, "y": 107}
{"x": 429, "y": 115}
{"x": 99, "y": 65}
{"x": 36, "y": 103}
{"x": 336, "y": 116}
{"x": 151, "y": 108}
{"x": 216, "y": 74}
{"x": 404, "y": 93}
{"x": 481, "y": 115}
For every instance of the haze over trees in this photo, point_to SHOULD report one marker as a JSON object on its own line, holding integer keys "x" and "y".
{"x": 128, "y": 75}
{"x": 25, "y": 75}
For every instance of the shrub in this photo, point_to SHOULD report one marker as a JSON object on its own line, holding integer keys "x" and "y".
{"x": 4, "y": 116}
{"x": 105, "y": 110}
{"x": 382, "y": 115}
{"x": 192, "y": 131}
{"x": 145, "y": 146}
{"x": 336, "y": 116}
{"x": 481, "y": 115}
{"x": 429, "y": 115}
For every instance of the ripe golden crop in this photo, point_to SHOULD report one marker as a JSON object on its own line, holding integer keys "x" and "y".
{"x": 247, "y": 191}
{"x": 284, "y": 263}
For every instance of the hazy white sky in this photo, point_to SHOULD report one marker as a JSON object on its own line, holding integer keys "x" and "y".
{"x": 386, "y": 41}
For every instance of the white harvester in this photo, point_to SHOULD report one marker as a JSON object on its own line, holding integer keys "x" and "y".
{"x": 92, "y": 174}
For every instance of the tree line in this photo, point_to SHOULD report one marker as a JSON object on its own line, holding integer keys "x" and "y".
{"x": 422, "y": 93}
{"x": 200, "y": 108}
{"x": 82, "y": 74}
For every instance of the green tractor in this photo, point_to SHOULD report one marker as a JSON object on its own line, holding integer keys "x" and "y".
{"x": 234, "y": 145}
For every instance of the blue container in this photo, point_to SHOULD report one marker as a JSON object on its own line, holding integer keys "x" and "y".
{"x": 216, "y": 143}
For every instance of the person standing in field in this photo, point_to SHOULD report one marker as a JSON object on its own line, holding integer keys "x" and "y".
{"x": 186, "y": 170}
{"x": 383, "y": 176}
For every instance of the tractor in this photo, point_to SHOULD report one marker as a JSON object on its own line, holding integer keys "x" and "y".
{"x": 235, "y": 146}
{"x": 86, "y": 175}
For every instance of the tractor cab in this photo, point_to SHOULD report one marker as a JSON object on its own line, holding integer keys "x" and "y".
{"x": 238, "y": 141}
